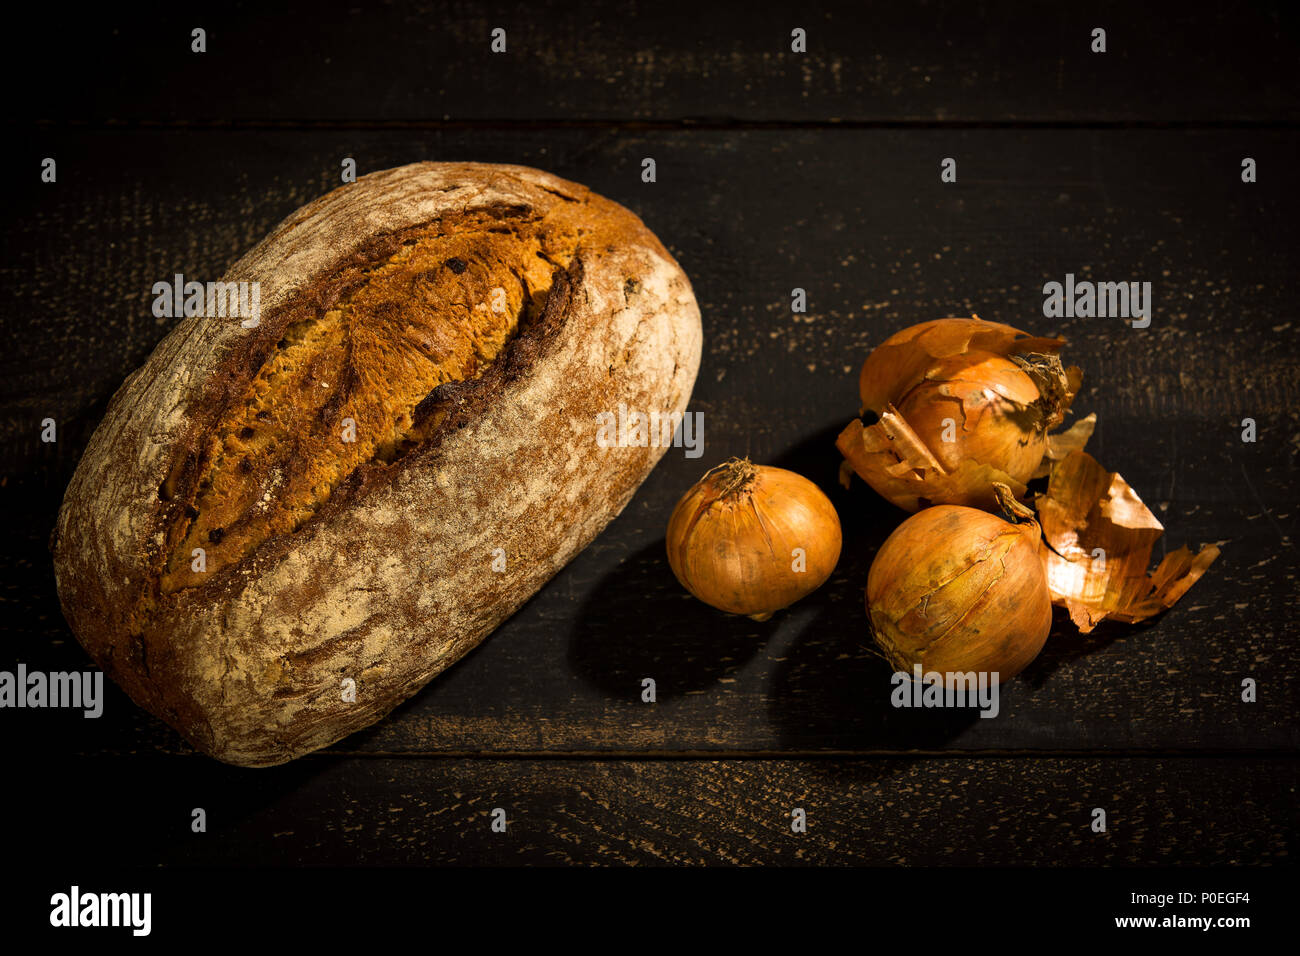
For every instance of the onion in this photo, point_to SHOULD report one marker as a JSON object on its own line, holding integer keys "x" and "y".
{"x": 956, "y": 589}
{"x": 753, "y": 539}
{"x": 961, "y": 405}
{"x": 974, "y": 406}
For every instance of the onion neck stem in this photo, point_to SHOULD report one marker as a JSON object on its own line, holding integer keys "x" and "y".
{"x": 733, "y": 476}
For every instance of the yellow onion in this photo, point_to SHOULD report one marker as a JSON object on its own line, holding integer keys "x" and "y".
{"x": 753, "y": 539}
{"x": 960, "y": 405}
{"x": 956, "y": 589}
{"x": 977, "y": 406}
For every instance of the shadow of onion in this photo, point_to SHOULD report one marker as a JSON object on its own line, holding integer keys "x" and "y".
{"x": 831, "y": 688}
{"x": 824, "y": 686}
{"x": 1065, "y": 645}
{"x": 640, "y": 622}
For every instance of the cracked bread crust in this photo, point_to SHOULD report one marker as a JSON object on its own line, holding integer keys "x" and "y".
{"x": 387, "y": 578}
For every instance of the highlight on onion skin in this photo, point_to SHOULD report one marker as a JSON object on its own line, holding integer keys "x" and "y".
{"x": 961, "y": 405}
{"x": 956, "y": 589}
{"x": 753, "y": 539}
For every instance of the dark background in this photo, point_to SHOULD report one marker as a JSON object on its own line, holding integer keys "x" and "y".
{"x": 775, "y": 170}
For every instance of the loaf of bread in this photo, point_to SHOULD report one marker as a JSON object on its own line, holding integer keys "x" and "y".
{"x": 279, "y": 533}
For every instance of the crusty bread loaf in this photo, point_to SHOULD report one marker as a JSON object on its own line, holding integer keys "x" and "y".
{"x": 467, "y": 323}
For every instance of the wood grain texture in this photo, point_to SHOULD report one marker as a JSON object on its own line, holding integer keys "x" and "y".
{"x": 988, "y": 812}
{"x": 665, "y": 60}
{"x": 750, "y": 216}
{"x": 774, "y": 172}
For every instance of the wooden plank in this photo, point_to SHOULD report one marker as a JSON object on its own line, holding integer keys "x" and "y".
{"x": 958, "y": 811}
{"x": 659, "y": 60}
{"x": 750, "y": 216}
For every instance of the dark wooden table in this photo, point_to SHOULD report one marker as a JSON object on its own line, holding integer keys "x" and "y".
{"x": 775, "y": 170}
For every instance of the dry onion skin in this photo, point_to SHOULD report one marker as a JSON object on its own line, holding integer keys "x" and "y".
{"x": 962, "y": 405}
{"x": 957, "y": 589}
{"x": 1097, "y": 541}
{"x": 753, "y": 539}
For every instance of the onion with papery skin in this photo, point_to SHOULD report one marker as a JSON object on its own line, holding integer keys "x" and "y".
{"x": 982, "y": 402}
{"x": 960, "y": 405}
{"x": 753, "y": 539}
{"x": 956, "y": 589}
